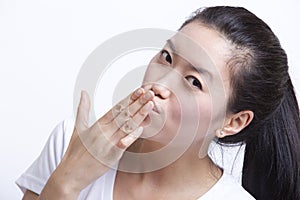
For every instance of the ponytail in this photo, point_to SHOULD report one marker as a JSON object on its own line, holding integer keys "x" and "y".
{"x": 272, "y": 157}
{"x": 260, "y": 82}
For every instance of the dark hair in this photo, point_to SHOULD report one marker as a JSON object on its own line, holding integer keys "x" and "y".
{"x": 260, "y": 82}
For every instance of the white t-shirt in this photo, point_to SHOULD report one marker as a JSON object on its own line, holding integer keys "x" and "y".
{"x": 36, "y": 176}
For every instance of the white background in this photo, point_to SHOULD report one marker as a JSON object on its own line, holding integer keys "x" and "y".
{"x": 44, "y": 43}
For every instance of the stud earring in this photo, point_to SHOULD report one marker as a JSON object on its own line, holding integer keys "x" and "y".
{"x": 221, "y": 133}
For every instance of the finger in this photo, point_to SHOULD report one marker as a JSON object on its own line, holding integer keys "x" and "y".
{"x": 82, "y": 118}
{"x": 110, "y": 115}
{"x": 128, "y": 140}
{"x": 126, "y": 114}
{"x": 110, "y": 128}
{"x": 131, "y": 125}
{"x": 139, "y": 117}
{"x": 138, "y": 104}
{"x": 138, "y": 92}
{"x": 122, "y": 105}
{"x": 115, "y": 145}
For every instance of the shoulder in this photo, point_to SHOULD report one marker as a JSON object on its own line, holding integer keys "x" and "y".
{"x": 36, "y": 176}
{"x": 227, "y": 188}
{"x": 58, "y": 140}
{"x": 232, "y": 189}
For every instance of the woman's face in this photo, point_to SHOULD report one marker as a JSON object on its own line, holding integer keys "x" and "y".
{"x": 191, "y": 86}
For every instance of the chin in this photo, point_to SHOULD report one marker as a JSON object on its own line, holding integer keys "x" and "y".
{"x": 154, "y": 134}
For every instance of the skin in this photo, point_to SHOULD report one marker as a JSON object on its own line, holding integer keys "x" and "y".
{"x": 194, "y": 176}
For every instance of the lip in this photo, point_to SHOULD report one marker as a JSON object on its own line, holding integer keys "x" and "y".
{"x": 156, "y": 108}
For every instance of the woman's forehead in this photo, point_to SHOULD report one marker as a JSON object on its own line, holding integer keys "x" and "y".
{"x": 202, "y": 47}
{"x": 207, "y": 50}
{"x": 196, "y": 41}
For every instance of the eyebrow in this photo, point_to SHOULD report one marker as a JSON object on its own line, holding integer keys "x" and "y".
{"x": 171, "y": 45}
{"x": 203, "y": 71}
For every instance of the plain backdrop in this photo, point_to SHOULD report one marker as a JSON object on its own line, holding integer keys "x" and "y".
{"x": 43, "y": 45}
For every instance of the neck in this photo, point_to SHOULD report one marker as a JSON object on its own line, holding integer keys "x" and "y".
{"x": 188, "y": 168}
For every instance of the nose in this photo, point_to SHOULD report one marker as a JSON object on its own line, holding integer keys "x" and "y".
{"x": 160, "y": 91}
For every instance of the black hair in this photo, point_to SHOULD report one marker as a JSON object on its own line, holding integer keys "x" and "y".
{"x": 261, "y": 83}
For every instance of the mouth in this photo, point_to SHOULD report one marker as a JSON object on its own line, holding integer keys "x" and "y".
{"x": 156, "y": 108}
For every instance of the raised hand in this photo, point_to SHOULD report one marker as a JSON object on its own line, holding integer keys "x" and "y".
{"x": 93, "y": 150}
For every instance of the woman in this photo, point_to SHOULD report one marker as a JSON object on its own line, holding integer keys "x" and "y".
{"x": 225, "y": 64}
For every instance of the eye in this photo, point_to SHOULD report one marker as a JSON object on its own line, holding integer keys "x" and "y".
{"x": 165, "y": 54}
{"x": 194, "y": 82}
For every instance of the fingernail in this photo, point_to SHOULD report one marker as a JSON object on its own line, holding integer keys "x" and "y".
{"x": 137, "y": 133}
{"x": 147, "y": 107}
{"x": 139, "y": 91}
{"x": 83, "y": 98}
{"x": 127, "y": 141}
{"x": 148, "y": 95}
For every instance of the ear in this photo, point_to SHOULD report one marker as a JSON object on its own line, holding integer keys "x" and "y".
{"x": 236, "y": 122}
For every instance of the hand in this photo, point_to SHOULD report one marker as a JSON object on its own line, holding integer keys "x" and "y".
{"x": 92, "y": 150}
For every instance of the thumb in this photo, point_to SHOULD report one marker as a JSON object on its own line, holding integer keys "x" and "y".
{"x": 82, "y": 118}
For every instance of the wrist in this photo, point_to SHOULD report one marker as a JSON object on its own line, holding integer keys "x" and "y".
{"x": 57, "y": 188}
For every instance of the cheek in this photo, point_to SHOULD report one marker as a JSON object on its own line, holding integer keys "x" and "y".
{"x": 173, "y": 116}
{"x": 190, "y": 120}
{"x": 199, "y": 116}
{"x": 175, "y": 112}
{"x": 191, "y": 115}
{"x": 205, "y": 110}
{"x": 211, "y": 117}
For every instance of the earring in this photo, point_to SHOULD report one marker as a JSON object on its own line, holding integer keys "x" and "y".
{"x": 221, "y": 133}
